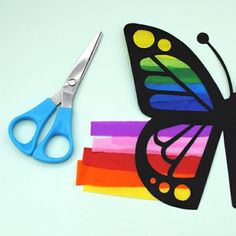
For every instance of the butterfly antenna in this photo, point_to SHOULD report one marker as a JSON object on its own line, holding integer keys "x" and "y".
{"x": 203, "y": 38}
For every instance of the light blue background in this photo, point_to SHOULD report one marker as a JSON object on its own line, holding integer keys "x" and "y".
{"x": 39, "y": 43}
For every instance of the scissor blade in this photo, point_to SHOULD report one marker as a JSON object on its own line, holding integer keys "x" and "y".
{"x": 82, "y": 65}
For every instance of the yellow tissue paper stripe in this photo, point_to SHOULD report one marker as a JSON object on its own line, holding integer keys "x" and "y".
{"x": 132, "y": 192}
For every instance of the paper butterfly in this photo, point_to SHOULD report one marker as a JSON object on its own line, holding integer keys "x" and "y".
{"x": 188, "y": 116}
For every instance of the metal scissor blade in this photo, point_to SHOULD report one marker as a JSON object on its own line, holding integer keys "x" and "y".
{"x": 82, "y": 65}
{"x": 66, "y": 94}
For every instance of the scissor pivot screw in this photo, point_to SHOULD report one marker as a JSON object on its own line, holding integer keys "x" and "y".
{"x": 72, "y": 82}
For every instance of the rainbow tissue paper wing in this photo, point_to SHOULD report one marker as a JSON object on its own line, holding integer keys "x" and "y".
{"x": 188, "y": 115}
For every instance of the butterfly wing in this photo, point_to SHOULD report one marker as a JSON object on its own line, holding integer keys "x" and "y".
{"x": 174, "y": 88}
{"x": 174, "y": 161}
{"x": 168, "y": 75}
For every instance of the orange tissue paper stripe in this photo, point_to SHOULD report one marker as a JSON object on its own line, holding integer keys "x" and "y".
{"x": 89, "y": 175}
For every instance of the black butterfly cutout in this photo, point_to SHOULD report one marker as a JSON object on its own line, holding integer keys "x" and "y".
{"x": 188, "y": 116}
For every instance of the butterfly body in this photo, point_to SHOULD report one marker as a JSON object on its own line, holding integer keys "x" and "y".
{"x": 229, "y": 121}
{"x": 188, "y": 114}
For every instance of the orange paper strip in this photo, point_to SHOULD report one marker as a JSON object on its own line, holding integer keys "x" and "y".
{"x": 89, "y": 175}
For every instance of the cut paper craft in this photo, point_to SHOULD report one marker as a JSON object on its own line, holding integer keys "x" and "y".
{"x": 188, "y": 114}
{"x": 112, "y": 170}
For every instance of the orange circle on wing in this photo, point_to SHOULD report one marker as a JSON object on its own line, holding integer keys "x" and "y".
{"x": 152, "y": 180}
{"x": 164, "y": 187}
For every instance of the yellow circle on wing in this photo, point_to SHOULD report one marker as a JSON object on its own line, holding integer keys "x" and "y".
{"x": 164, "y": 45}
{"x": 182, "y": 192}
{"x": 143, "y": 38}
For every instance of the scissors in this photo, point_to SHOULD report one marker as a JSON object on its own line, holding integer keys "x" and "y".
{"x": 62, "y": 125}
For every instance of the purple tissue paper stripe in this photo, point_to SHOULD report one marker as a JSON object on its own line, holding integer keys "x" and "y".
{"x": 172, "y": 131}
{"x": 133, "y": 129}
{"x": 117, "y": 128}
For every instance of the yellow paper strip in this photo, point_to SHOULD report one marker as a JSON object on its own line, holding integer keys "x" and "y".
{"x": 131, "y": 192}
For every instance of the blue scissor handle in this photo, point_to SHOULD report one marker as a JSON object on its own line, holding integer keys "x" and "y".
{"x": 61, "y": 127}
{"x": 39, "y": 115}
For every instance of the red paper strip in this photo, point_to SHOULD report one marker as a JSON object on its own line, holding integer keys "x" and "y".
{"x": 126, "y": 162}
